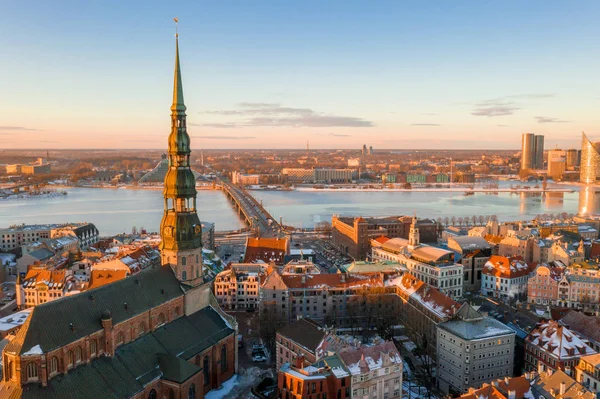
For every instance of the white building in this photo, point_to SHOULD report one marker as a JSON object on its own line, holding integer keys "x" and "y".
{"x": 239, "y": 286}
{"x": 432, "y": 265}
{"x": 505, "y": 278}
{"x": 472, "y": 350}
{"x": 376, "y": 370}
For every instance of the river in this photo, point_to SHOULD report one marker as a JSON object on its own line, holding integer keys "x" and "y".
{"x": 118, "y": 210}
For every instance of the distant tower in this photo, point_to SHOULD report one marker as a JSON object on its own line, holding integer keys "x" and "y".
{"x": 364, "y": 149}
{"x": 413, "y": 235}
{"x": 371, "y": 150}
{"x": 527, "y": 151}
{"x": 202, "y": 157}
{"x": 539, "y": 151}
{"x": 307, "y": 146}
{"x": 180, "y": 228}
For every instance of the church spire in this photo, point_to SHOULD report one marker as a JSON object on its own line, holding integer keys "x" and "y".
{"x": 181, "y": 230}
{"x": 178, "y": 105}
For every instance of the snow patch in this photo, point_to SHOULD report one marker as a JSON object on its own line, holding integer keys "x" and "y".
{"x": 36, "y": 350}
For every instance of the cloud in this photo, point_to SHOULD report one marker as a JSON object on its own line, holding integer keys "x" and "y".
{"x": 492, "y": 108}
{"x": 224, "y": 137}
{"x": 503, "y": 106}
{"x": 546, "y": 119}
{"x": 21, "y": 128}
{"x": 426, "y": 124}
{"x": 339, "y": 135}
{"x": 273, "y": 114}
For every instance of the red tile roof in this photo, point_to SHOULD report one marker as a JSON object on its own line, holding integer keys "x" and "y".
{"x": 501, "y": 266}
{"x": 266, "y": 249}
{"x": 99, "y": 278}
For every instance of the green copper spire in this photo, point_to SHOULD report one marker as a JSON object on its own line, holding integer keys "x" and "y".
{"x": 178, "y": 104}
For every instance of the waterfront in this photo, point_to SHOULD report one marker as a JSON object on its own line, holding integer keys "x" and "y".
{"x": 116, "y": 211}
{"x": 113, "y": 211}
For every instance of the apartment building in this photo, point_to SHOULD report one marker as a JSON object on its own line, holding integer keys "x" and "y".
{"x": 472, "y": 350}
{"x": 376, "y": 370}
{"x": 542, "y": 286}
{"x": 552, "y": 346}
{"x": 474, "y": 252}
{"x": 239, "y": 286}
{"x": 505, "y": 278}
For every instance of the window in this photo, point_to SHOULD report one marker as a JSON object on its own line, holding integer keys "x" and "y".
{"x": 11, "y": 369}
{"x": 206, "y": 370}
{"x": 224, "y": 358}
{"x": 161, "y": 319}
{"x": 192, "y": 392}
{"x": 71, "y": 359}
{"x": 120, "y": 338}
{"x": 93, "y": 347}
{"x": 78, "y": 355}
{"x": 171, "y": 393}
{"x": 152, "y": 394}
{"x": 183, "y": 261}
{"x": 32, "y": 371}
{"x": 184, "y": 274}
{"x": 142, "y": 328}
{"x": 177, "y": 310}
{"x": 53, "y": 365}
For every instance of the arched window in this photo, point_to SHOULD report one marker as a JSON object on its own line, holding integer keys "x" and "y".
{"x": 177, "y": 310}
{"x": 171, "y": 393}
{"x": 93, "y": 347}
{"x": 152, "y": 394}
{"x": 161, "y": 319}
{"x": 224, "y": 358}
{"x": 120, "y": 338}
{"x": 197, "y": 272}
{"x": 183, "y": 261}
{"x": 71, "y": 359}
{"x": 184, "y": 275}
{"x": 206, "y": 370}
{"x": 142, "y": 328}
{"x": 192, "y": 392}
{"x": 32, "y": 371}
{"x": 78, "y": 355}
{"x": 54, "y": 365}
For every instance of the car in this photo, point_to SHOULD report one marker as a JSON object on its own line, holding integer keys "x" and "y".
{"x": 259, "y": 358}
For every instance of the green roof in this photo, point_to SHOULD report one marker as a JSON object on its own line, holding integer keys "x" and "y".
{"x": 49, "y": 325}
{"x": 155, "y": 355}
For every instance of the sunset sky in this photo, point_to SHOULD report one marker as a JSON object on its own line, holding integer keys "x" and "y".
{"x": 274, "y": 74}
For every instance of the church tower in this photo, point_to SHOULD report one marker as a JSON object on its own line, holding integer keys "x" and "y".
{"x": 180, "y": 228}
{"x": 413, "y": 235}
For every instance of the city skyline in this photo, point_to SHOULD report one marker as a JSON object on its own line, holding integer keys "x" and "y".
{"x": 268, "y": 75}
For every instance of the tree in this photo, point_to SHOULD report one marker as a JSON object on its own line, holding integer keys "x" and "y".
{"x": 474, "y": 219}
{"x": 271, "y": 320}
{"x": 446, "y": 221}
{"x": 134, "y": 230}
{"x": 460, "y": 221}
{"x": 481, "y": 220}
{"x": 453, "y": 220}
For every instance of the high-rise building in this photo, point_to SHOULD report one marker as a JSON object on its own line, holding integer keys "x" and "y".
{"x": 557, "y": 163}
{"x": 364, "y": 149}
{"x": 180, "y": 228}
{"x": 590, "y": 160}
{"x": 539, "y": 152}
{"x": 572, "y": 159}
{"x": 527, "y": 151}
{"x": 532, "y": 151}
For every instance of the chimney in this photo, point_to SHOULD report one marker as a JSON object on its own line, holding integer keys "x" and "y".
{"x": 506, "y": 380}
{"x": 299, "y": 362}
{"x": 512, "y": 394}
{"x": 563, "y": 387}
{"x": 568, "y": 370}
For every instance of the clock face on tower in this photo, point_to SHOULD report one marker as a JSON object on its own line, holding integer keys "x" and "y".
{"x": 168, "y": 231}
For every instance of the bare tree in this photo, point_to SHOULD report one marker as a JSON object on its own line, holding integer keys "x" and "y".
{"x": 474, "y": 219}
{"x": 446, "y": 221}
{"x": 453, "y": 220}
{"x": 481, "y": 220}
{"x": 460, "y": 220}
{"x": 271, "y": 320}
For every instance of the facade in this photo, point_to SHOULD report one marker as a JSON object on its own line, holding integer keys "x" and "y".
{"x": 557, "y": 164}
{"x": 376, "y": 370}
{"x": 590, "y": 161}
{"x": 305, "y": 339}
{"x": 435, "y": 266}
{"x": 515, "y": 245}
{"x": 552, "y": 346}
{"x": 421, "y": 308}
{"x": 327, "y": 378}
{"x": 542, "y": 286}
{"x": 572, "y": 158}
{"x": 587, "y": 372}
{"x": 266, "y": 250}
{"x": 244, "y": 179}
{"x": 41, "y": 285}
{"x": 353, "y": 236}
{"x": 472, "y": 350}
{"x": 239, "y": 286}
{"x": 528, "y": 151}
{"x": 505, "y": 278}
{"x": 474, "y": 253}
{"x": 17, "y": 236}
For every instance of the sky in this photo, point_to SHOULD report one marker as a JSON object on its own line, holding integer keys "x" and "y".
{"x": 281, "y": 74}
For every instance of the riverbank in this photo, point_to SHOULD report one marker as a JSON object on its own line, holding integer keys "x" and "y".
{"x": 431, "y": 189}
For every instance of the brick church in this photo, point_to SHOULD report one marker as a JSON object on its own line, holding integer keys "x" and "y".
{"x": 157, "y": 334}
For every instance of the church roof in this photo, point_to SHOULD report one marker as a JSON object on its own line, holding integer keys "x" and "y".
{"x": 158, "y": 354}
{"x": 49, "y": 325}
